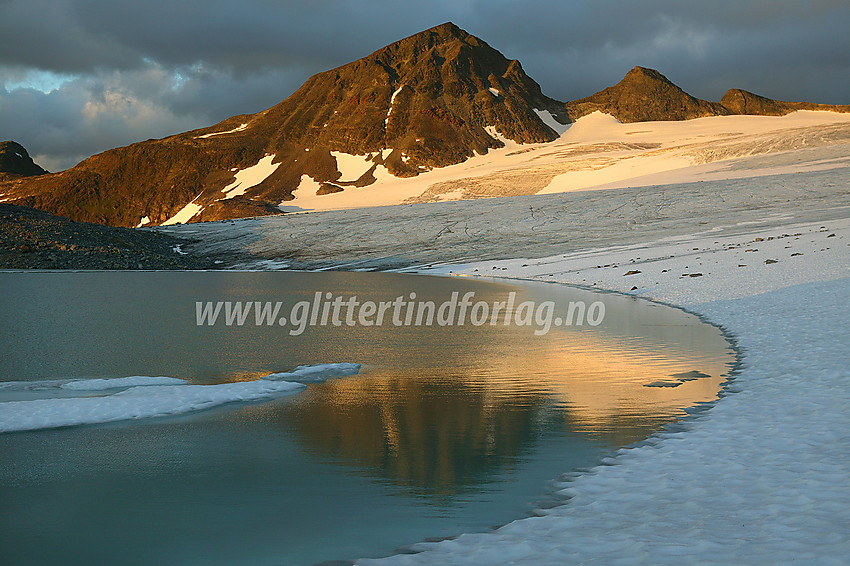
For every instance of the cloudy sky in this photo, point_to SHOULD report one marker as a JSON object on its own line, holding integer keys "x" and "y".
{"x": 81, "y": 76}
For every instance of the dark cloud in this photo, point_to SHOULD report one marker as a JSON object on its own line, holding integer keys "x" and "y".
{"x": 706, "y": 47}
{"x": 149, "y": 69}
{"x": 109, "y": 109}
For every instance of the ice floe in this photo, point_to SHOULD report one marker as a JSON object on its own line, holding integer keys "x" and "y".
{"x": 141, "y": 397}
{"x": 315, "y": 373}
{"x": 117, "y": 382}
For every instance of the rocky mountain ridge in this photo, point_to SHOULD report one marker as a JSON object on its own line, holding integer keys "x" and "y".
{"x": 645, "y": 95}
{"x": 430, "y": 100}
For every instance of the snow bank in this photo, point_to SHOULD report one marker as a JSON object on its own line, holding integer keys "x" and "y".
{"x": 148, "y": 397}
{"x": 758, "y": 478}
{"x": 497, "y": 135}
{"x": 304, "y": 196}
{"x": 761, "y": 478}
{"x": 691, "y": 269}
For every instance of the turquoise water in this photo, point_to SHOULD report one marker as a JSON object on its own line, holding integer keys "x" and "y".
{"x": 445, "y": 429}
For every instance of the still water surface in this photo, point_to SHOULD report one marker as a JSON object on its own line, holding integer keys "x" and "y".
{"x": 444, "y": 430}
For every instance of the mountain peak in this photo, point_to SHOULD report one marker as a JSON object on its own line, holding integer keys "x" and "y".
{"x": 644, "y": 73}
{"x": 426, "y": 101}
{"x": 429, "y": 100}
{"x": 644, "y": 95}
{"x": 743, "y": 102}
{"x": 15, "y": 162}
{"x": 423, "y": 41}
{"x": 431, "y": 96}
{"x": 445, "y": 30}
{"x": 739, "y": 101}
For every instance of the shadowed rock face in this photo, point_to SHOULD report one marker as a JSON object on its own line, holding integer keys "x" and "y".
{"x": 645, "y": 95}
{"x": 15, "y": 162}
{"x": 422, "y": 102}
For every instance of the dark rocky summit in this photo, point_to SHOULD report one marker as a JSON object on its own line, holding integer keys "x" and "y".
{"x": 738, "y": 101}
{"x": 645, "y": 95}
{"x": 429, "y": 96}
{"x": 15, "y": 162}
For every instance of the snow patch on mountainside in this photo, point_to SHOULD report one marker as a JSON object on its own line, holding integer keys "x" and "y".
{"x": 496, "y": 135}
{"x": 185, "y": 214}
{"x": 350, "y": 166}
{"x": 549, "y": 119}
{"x": 304, "y": 194}
{"x": 239, "y": 128}
{"x": 250, "y": 177}
{"x": 392, "y": 101}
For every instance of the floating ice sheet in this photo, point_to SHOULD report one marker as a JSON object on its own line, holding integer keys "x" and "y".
{"x": 148, "y": 397}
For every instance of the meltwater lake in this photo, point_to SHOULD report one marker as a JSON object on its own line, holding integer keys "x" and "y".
{"x": 445, "y": 428}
